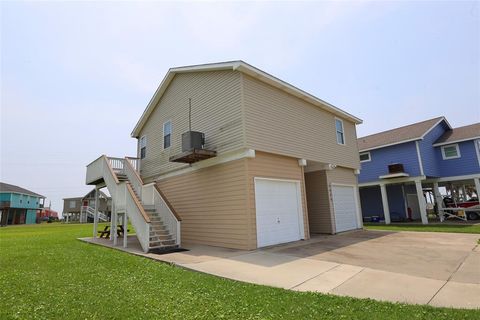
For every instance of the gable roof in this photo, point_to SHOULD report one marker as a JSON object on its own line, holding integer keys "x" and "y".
{"x": 10, "y": 188}
{"x": 411, "y": 132}
{"x": 247, "y": 69}
{"x": 459, "y": 134}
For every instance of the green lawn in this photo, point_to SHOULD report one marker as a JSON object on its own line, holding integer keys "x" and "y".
{"x": 425, "y": 228}
{"x": 45, "y": 273}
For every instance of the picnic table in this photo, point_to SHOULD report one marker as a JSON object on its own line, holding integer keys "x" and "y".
{"x": 106, "y": 232}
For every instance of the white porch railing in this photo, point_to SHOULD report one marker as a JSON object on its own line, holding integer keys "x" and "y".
{"x": 132, "y": 175}
{"x": 90, "y": 212}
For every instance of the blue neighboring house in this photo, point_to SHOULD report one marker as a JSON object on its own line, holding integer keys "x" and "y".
{"x": 18, "y": 205}
{"x": 398, "y": 165}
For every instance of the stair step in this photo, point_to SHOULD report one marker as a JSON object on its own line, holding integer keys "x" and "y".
{"x": 164, "y": 249}
{"x": 161, "y": 243}
{"x": 161, "y": 237}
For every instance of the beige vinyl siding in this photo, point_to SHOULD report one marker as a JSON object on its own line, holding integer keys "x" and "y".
{"x": 266, "y": 165}
{"x": 66, "y": 205}
{"x": 277, "y": 122}
{"x": 216, "y": 111}
{"x": 212, "y": 203}
{"x": 318, "y": 201}
{"x": 342, "y": 176}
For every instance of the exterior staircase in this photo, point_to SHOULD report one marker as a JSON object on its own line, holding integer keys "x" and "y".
{"x": 156, "y": 223}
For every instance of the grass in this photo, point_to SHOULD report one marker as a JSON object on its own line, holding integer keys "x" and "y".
{"x": 425, "y": 228}
{"x": 45, "y": 273}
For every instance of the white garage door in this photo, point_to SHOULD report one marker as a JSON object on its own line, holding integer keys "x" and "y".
{"x": 345, "y": 208}
{"x": 279, "y": 211}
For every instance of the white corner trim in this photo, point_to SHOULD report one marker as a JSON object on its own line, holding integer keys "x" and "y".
{"x": 419, "y": 159}
{"x": 436, "y": 124}
{"x": 302, "y": 162}
{"x": 477, "y": 148}
{"x": 226, "y": 157}
{"x": 444, "y": 156}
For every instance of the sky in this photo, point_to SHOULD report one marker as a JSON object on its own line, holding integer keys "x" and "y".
{"x": 76, "y": 76}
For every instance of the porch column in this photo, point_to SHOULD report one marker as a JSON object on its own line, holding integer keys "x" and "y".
{"x": 386, "y": 209}
{"x": 421, "y": 202}
{"x": 125, "y": 230}
{"x": 438, "y": 200}
{"x": 114, "y": 229}
{"x": 477, "y": 186}
{"x": 112, "y": 217}
{"x": 95, "y": 215}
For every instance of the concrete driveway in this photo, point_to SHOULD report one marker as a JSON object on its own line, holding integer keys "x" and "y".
{"x": 439, "y": 269}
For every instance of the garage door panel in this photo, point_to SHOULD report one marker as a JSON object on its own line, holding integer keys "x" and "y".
{"x": 278, "y": 212}
{"x": 345, "y": 208}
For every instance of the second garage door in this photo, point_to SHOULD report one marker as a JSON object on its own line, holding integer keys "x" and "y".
{"x": 278, "y": 211}
{"x": 345, "y": 208}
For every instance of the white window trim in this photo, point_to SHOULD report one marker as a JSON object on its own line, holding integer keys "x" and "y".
{"x": 444, "y": 157}
{"x": 163, "y": 134}
{"x": 369, "y": 156}
{"x": 144, "y": 137}
{"x": 343, "y": 131}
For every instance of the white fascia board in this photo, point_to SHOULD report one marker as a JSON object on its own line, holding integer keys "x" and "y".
{"x": 223, "y": 158}
{"x": 389, "y": 145}
{"x": 455, "y": 141}
{"x": 390, "y": 181}
{"x": 394, "y": 175}
{"x": 436, "y": 124}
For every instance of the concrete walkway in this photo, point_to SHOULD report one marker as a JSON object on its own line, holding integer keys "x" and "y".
{"x": 439, "y": 269}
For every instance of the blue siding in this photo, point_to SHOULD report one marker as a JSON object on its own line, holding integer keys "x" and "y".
{"x": 466, "y": 164}
{"x": 24, "y": 201}
{"x": 427, "y": 152}
{"x": 396, "y": 202}
{"x": 405, "y": 153}
{"x": 371, "y": 202}
{"x": 31, "y": 217}
{"x": 5, "y": 196}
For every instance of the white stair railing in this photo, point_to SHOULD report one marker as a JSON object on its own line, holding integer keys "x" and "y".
{"x": 122, "y": 195}
{"x": 150, "y": 195}
{"x": 89, "y": 211}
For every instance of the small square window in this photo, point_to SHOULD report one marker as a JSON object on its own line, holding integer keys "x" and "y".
{"x": 365, "y": 157}
{"x": 72, "y": 204}
{"x": 450, "y": 152}
{"x": 167, "y": 134}
{"x": 339, "y": 131}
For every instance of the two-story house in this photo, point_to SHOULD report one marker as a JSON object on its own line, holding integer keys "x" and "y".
{"x": 239, "y": 158}
{"x": 81, "y": 209}
{"x": 398, "y": 165}
{"x": 18, "y": 205}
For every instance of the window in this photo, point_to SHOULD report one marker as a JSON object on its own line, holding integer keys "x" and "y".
{"x": 365, "y": 157}
{"x": 167, "y": 134}
{"x": 339, "y": 131}
{"x": 72, "y": 204}
{"x": 450, "y": 152}
{"x": 143, "y": 147}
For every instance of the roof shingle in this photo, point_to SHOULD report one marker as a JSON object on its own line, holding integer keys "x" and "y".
{"x": 469, "y": 132}
{"x": 5, "y": 187}
{"x": 398, "y": 135}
